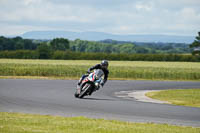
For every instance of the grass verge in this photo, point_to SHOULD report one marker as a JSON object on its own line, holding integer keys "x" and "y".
{"x": 27, "y": 123}
{"x": 184, "y": 97}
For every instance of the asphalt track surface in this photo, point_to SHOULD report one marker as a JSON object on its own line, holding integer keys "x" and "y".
{"x": 56, "y": 97}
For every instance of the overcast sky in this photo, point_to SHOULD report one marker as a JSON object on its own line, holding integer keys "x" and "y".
{"x": 172, "y": 17}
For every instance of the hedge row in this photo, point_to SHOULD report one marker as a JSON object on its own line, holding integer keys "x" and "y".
{"x": 69, "y": 55}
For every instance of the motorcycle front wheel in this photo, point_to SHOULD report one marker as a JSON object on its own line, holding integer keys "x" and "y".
{"x": 76, "y": 94}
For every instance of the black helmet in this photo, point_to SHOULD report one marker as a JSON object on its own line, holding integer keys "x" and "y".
{"x": 104, "y": 63}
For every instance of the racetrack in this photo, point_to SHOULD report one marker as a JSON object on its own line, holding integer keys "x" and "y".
{"x": 56, "y": 97}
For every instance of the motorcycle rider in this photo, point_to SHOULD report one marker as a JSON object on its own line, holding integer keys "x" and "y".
{"x": 103, "y": 66}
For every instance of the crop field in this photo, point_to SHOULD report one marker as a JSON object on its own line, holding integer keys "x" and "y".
{"x": 118, "y": 69}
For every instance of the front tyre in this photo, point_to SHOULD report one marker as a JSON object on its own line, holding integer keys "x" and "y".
{"x": 76, "y": 95}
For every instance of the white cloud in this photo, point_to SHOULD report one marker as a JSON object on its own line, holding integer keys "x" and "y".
{"x": 114, "y": 16}
{"x": 42, "y": 10}
{"x": 143, "y": 7}
{"x": 29, "y": 2}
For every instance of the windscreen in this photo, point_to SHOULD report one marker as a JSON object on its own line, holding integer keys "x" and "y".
{"x": 99, "y": 73}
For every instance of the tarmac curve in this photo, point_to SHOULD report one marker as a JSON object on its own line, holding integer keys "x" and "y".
{"x": 56, "y": 97}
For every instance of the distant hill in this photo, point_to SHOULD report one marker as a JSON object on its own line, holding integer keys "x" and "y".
{"x": 96, "y": 36}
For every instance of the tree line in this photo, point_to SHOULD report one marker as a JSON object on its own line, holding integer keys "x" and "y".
{"x": 60, "y": 48}
{"x": 69, "y": 55}
{"x": 16, "y": 44}
{"x": 112, "y": 46}
{"x": 105, "y": 46}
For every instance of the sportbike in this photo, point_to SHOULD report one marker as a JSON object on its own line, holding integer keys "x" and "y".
{"x": 90, "y": 84}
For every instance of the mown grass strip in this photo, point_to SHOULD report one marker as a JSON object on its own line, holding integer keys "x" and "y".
{"x": 27, "y": 123}
{"x": 184, "y": 97}
{"x": 118, "y": 69}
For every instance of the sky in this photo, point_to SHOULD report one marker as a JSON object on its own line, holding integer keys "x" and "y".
{"x": 168, "y": 17}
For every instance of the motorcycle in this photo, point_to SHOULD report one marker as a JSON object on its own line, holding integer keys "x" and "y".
{"x": 90, "y": 84}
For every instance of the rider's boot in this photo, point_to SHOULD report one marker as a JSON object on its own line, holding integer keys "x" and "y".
{"x": 80, "y": 81}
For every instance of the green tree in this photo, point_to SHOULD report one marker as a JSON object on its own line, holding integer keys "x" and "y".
{"x": 196, "y": 45}
{"x": 28, "y": 44}
{"x": 127, "y": 48}
{"x": 59, "y": 44}
{"x": 19, "y": 44}
{"x": 44, "y": 51}
{"x": 141, "y": 50}
{"x": 16, "y": 43}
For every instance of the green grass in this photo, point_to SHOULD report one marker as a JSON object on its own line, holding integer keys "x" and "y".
{"x": 27, "y": 123}
{"x": 184, "y": 97}
{"x": 118, "y": 69}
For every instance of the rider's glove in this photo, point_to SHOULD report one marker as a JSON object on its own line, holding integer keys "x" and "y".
{"x": 88, "y": 72}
